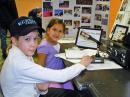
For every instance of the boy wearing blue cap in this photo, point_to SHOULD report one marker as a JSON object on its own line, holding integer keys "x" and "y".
{"x": 20, "y": 76}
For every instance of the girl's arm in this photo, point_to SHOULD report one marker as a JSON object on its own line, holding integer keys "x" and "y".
{"x": 41, "y": 59}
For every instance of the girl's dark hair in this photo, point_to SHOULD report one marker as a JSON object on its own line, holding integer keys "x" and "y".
{"x": 55, "y": 21}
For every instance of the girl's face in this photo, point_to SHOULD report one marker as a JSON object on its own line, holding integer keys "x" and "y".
{"x": 55, "y": 33}
{"x": 28, "y": 43}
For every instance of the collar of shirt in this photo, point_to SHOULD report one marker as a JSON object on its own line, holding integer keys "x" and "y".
{"x": 16, "y": 50}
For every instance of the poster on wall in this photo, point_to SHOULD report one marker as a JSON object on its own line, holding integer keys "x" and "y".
{"x": 77, "y": 13}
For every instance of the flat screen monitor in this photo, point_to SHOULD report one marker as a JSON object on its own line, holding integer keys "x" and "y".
{"x": 119, "y": 32}
{"x": 88, "y": 37}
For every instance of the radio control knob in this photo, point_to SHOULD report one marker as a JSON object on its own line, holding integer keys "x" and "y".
{"x": 122, "y": 60}
{"x": 115, "y": 52}
{"x": 110, "y": 48}
{"x": 123, "y": 55}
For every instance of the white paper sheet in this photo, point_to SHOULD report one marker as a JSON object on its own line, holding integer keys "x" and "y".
{"x": 67, "y": 40}
{"x": 76, "y": 53}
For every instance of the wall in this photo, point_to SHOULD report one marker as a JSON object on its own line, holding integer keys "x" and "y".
{"x": 114, "y": 7}
{"x": 24, "y": 6}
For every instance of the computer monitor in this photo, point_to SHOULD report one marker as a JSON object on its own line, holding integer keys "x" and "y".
{"x": 88, "y": 37}
{"x": 119, "y": 32}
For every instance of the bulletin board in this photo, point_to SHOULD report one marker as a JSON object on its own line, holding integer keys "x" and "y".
{"x": 77, "y": 13}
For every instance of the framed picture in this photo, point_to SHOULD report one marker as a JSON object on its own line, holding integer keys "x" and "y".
{"x": 88, "y": 37}
{"x": 119, "y": 32}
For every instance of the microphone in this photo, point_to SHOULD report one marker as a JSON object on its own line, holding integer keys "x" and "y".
{"x": 86, "y": 35}
{"x": 97, "y": 57}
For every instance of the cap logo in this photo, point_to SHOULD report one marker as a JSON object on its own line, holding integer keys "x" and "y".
{"x": 26, "y": 22}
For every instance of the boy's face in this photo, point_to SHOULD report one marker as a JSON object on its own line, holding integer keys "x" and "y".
{"x": 28, "y": 43}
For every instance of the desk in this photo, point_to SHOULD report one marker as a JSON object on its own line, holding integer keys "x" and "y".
{"x": 104, "y": 83}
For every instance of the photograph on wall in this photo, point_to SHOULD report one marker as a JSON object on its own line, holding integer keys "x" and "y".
{"x": 98, "y": 17}
{"x": 128, "y": 6}
{"x": 58, "y": 12}
{"x": 98, "y": 7}
{"x": 104, "y": 21}
{"x": 68, "y": 22}
{"x": 68, "y": 12}
{"x": 128, "y": 21}
{"x": 76, "y": 24}
{"x": 106, "y": 15}
{"x": 124, "y": 5}
{"x": 63, "y": 4}
{"x": 86, "y": 10}
{"x": 66, "y": 31}
{"x": 77, "y": 11}
{"x": 86, "y": 19}
{"x": 97, "y": 26}
{"x": 84, "y": 2}
{"x": 105, "y": 7}
{"x": 125, "y": 19}
{"x": 119, "y": 18}
{"x": 47, "y": 9}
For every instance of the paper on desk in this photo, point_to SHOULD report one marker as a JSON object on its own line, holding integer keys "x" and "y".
{"x": 71, "y": 53}
{"x": 98, "y": 66}
{"x": 62, "y": 55}
{"x": 67, "y": 41}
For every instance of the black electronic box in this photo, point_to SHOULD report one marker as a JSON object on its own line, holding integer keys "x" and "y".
{"x": 119, "y": 53}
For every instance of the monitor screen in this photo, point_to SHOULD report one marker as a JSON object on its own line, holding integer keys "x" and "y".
{"x": 88, "y": 37}
{"x": 119, "y": 32}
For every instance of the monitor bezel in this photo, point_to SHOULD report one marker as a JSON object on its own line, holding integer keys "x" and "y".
{"x": 89, "y": 29}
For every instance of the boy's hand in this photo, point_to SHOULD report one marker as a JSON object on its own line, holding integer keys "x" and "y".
{"x": 86, "y": 60}
{"x": 42, "y": 86}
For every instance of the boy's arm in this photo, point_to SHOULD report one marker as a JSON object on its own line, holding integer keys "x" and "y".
{"x": 29, "y": 72}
